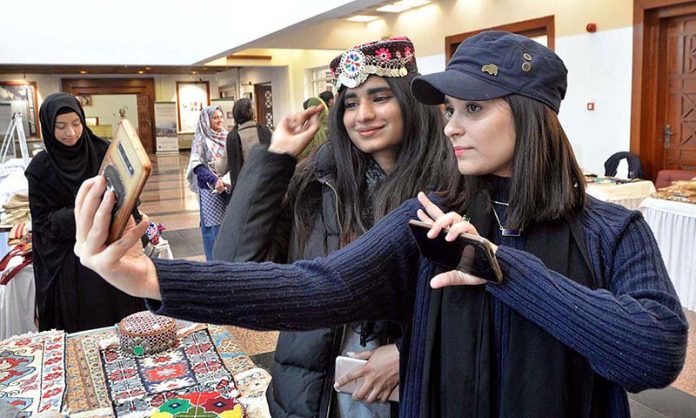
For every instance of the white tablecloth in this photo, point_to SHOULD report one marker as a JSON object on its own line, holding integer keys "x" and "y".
{"x": 628, "y": 195}
{"x": 674, "y": 226}
{"x": 17, "y": 304}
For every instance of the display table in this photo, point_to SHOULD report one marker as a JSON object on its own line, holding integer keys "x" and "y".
{"x": 628, "y": 195}
{"x": 674, "y": 226}
{"x": 87, "y": 393}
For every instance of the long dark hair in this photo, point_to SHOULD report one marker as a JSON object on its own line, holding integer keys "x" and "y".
{"x": 546, "y": 183}
{"x": 424, "y": 162}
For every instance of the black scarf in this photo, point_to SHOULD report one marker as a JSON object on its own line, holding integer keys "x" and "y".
{"x": 73, "y": 164}
{"x": 542, "y": 377}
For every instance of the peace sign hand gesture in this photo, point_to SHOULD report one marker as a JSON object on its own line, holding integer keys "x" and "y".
{"x": 294, "y": 133}
{"x": 456, "y": 225}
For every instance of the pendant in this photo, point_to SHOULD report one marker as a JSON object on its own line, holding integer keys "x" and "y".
{"x": 510, "y": 232}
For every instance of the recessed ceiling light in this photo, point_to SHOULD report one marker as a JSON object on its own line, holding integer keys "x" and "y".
{"x": 83, "y": 71}
{"x": 148, "y": 68}
{"x": 392, "y": 8}
{"x": 411, "y": 3}
{"x": 141, "y": 72}
{"x": 362, "y": 18}
{"x": 194, "y": 72}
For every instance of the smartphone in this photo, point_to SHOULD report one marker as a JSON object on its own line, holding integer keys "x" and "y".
{"x": 345, "y": 365}
{"x": 468, "y": 253}
{"x": 126, "y": 167}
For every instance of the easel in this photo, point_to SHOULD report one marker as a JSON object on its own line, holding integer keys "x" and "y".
{"x": 15, "y": 127}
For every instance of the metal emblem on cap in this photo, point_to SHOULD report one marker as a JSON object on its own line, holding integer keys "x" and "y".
{"x": 490, "y": 69}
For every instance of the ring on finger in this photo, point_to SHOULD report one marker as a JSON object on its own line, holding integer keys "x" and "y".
{"x": 464, "y": 219}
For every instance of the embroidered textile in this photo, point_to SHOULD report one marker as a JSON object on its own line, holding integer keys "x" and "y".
{"x": 387, "y": 58}
{"x": 87, "y": 395}
{"x": 136, "y": 384}
{"x": 200, "y": 405}
{"x": 32, "y": 372}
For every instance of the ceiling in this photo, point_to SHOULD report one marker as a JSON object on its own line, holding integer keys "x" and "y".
{"x": 172, "y": 35}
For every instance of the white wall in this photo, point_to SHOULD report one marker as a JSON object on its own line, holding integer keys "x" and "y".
{"x": 599, "y": 71}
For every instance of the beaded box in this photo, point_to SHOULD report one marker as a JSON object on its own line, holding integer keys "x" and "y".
{"x": 145, "y": 333}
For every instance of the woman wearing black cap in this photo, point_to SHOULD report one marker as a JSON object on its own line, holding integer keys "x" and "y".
{"x": 585, "y": 312}
{"x": 68, "y": 296}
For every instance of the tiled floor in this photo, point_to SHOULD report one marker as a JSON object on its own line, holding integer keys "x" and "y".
{"x": 167, "y": 200}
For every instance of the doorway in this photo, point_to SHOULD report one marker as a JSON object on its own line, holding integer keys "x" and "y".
{"x": 663, "y": 122}
{"x": 142, "y": 88}
{"x": 542, "y": 30}
{"x": 264, "y": 104}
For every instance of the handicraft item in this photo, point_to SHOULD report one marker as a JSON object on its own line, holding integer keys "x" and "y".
{"x": 32, "y": 372}
{"x": 144, "y": 333}
{"x": 389, "y": 58}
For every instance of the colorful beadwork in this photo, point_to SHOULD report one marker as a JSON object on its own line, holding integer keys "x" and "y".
{"x": 389, "y": 58}
{"x": 200, "y": 404}
{"x": 32, "y": 372}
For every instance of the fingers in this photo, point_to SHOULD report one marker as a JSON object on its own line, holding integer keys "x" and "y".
{"x": 128, "y": 240}
{"x": 101, "y": 221}
{"x": 352, "y": 375}
{"x": 86, "y": 203}
{"x": 455, "y": 278}
{"x": 430, "y": 207}
{"x": 423, "y": 217}
{"x": 84, "y": 189}
{"x": 461, "y": 226}
{"x": 362, "y": 355}
{"x": 297, "y": 122}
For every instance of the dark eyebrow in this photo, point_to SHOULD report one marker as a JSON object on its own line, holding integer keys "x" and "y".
{"x": 370, "y": 92}
{"x": 72, "y": 121}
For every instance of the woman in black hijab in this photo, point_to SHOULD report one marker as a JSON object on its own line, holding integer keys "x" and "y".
{"x": 68, "y": 295}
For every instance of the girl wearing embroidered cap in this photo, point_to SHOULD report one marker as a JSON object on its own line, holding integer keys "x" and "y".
{"x": 585, "y": 297}
{"x": 383, "y": 148}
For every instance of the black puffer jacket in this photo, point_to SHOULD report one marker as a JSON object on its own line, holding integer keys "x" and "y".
{"x": 258, "y": 227}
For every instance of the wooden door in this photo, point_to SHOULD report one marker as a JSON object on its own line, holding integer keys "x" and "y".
{"x": 143, "y": 88}
{"x": 678, "y": 139}
{"x": 145, "y": 119}
{"x": 264, "y": 104}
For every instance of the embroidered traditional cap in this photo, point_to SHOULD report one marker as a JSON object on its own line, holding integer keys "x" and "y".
{"x": 389, "y": 58}
{"x": 494, "y": 64}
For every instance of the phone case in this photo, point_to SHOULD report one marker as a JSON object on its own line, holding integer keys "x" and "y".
{"x": 346, "y": 365}
{"x": 468, "y": 253}
{"x": 126, "y": 167}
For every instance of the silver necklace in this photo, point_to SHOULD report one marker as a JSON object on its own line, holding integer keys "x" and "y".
{"x": 504, "y": 231}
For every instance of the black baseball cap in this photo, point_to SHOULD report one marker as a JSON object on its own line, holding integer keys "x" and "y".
{"x": 495, "y": 64}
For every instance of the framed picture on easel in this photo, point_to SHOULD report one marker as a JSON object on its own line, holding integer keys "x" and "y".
{"x": 22, "y": 96}
{"x": 191, "y": 98}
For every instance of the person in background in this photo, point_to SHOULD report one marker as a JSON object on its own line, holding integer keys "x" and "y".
{"x": 322, "y": 134}
{"x": 205, "y": 174}
{"x": 68, "y": 295}
{"x": 244, "y": 136}
{"x": 328, "y": 98}
{"x": 383, "y": 148}
{"x": 585, "y": 312}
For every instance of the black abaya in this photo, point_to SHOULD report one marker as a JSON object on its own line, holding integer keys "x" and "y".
{"x": 68, "y": 295}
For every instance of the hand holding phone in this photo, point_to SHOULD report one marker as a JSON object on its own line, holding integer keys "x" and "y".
{"x": 468, "y": 253}
{"x": 126, "y": 167}
{"x": 345, "y": 365}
